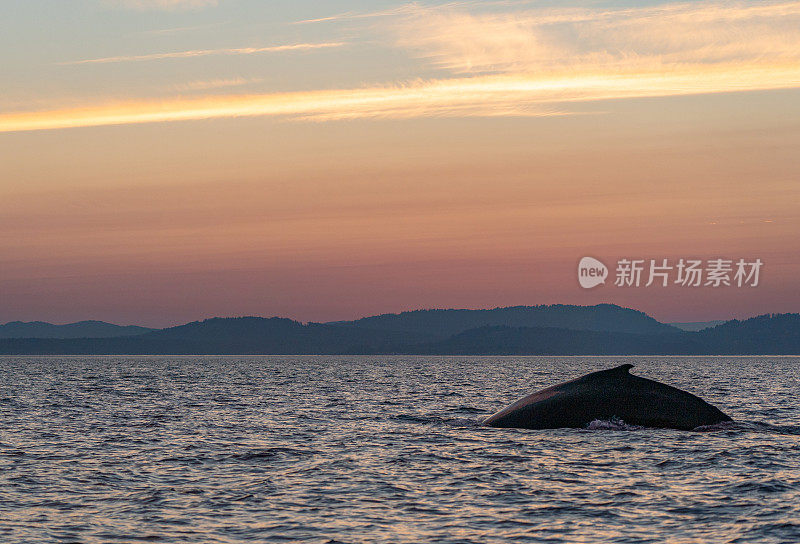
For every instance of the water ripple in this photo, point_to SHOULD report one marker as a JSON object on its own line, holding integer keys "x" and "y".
{"x": 386, "y": 450}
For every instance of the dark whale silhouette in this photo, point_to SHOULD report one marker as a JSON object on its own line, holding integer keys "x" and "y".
{"x": 605, "y": 395}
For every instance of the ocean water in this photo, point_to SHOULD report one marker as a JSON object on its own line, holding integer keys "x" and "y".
{"x": 383, "y": 449}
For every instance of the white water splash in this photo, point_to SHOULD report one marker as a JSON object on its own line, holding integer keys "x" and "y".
{"x": 613, "y": 424}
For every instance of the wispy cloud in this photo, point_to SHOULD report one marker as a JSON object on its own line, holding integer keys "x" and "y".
{"x": 531, "y": 62}
{"x": 179, "y": 29}
{"x": 205, "y": 85}
{"x": 350, "y": 15}
{"x": 162, "y": 4}
{"x": 409, "y": 9}
{"x": 207, "y": 52}
{"x": 471, "y": 96}
{"x": 576, "y": 39}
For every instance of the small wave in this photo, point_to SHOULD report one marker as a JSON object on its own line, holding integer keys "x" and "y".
{"x": 722, "y": 426}
{"x": 770, "y": 428}
{"x": 613, "y": 424}
{"x": 771, "y": 486}
{"x": 467, "y": 409}
{"x": 462, "y": 422}
{"x": 270, "y": 453}
{"x": 415, "y": 419}
{"x": 750, "y": 426}
{"x": 434, "y": 420}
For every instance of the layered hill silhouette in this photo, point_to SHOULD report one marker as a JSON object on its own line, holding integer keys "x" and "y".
{"x": 536, "y": 330}
{"x": 697, "y": 325}
{"x": 444, "y": 323}
{"x": 81, "y": 329}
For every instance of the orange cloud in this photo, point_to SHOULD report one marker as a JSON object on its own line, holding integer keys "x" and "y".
{"x": 512, "y": 94}
{"x": 524, "y": 63}
{"x": 649, "y": 38}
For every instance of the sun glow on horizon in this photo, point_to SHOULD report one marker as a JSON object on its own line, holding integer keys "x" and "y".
{"x": 457, "y": 153}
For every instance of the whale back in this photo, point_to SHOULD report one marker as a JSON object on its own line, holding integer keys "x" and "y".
{"x": 605, "y": 395}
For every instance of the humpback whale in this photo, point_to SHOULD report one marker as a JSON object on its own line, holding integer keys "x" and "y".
{"x": 609, "y": 394}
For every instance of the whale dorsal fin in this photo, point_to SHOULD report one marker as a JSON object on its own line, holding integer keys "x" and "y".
{"x": 611, "y": 373}
{"x": 621, "y": 370}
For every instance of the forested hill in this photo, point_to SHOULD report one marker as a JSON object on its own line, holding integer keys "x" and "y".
{"x": 444, "y": 323}
{"x": 81, "y": 329}
{"x": 768, "y": 334}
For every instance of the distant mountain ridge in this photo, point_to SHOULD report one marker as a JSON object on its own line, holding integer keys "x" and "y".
{"x": 695, "y": 326}
{"x": 767, "y": 334}
{"x": 444, "y": 323}
{"x": 80, "y": 329}
{"x": 777, "y": 333}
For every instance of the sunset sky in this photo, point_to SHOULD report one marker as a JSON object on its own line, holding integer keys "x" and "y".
{"x": 163, "y": 161}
